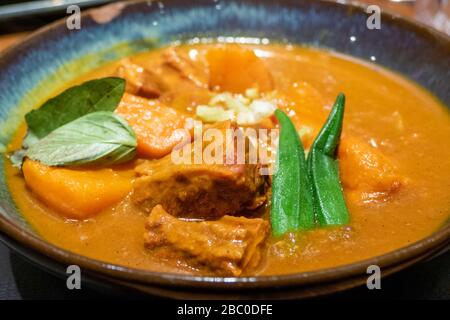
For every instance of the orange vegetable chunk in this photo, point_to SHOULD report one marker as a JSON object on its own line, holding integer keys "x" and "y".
{"x": 155, "y": 125}
{"x": 366, "y": 173}
{"x": 77, "y": 193}
{"x": 235, "y": 69}
{"x": 305, "y": 106}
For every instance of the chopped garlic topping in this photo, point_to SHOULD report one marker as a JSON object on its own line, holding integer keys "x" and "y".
{"x": 213, "y": 114}
{"x": 262, "y": 108}
{"x": 246, "y": 109}
{"x": 252, "y": 93}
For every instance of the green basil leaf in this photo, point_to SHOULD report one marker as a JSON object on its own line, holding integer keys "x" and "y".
{"x": 95, "y": 95}
{"x": 97, "y": 138}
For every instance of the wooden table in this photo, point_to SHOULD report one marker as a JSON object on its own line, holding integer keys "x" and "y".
{"x": 401, "y": 8}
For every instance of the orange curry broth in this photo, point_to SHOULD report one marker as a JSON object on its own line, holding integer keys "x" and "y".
{"x": 402, "y": 119}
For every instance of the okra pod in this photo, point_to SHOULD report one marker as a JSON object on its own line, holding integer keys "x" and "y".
{"x": 328, "y": 198}
{"x": 291, "y": 191}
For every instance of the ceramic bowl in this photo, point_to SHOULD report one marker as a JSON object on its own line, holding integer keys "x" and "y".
{"x": 36, "y": 67}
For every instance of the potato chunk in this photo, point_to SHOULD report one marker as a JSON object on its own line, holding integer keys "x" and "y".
{"x": 77, "y": 193}
{"x": 235, "y": 69}
{"x": 366, "y": 173}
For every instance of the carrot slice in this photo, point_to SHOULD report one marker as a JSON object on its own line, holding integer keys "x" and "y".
{"x": 154, "y": 124}
{"x": 235, "y": 69}
{"x": 77, "y": 193}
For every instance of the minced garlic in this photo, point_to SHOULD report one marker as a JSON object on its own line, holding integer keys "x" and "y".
{"x": 246, "y": 109}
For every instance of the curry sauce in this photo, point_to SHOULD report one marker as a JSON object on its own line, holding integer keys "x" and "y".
{"x": 385, "y": 113}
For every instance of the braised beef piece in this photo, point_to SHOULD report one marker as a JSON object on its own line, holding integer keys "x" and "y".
{"x": 194, "y": 70}
{"x": 200, "y": 190}
{"x": 140, "y": 81}
{"x": 176, "y": 78}
{"x": 225, "y": 247}
{"x": 186, "y": 77}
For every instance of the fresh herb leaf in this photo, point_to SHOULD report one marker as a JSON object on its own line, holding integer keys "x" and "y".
{"x": 95, "y": 95}
{"x": 96, "y": 138}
